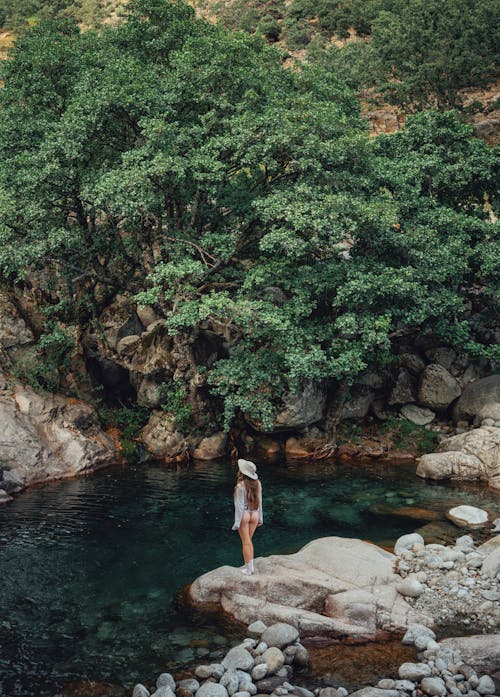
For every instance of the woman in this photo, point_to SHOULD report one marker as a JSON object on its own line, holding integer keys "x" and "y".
{"x": 247, "y": 509}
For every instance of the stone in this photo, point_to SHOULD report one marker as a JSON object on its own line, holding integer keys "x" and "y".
{"x": 472, "y": 455}
{"x": 406, "y": 542}
{"x": 491, "y": 565}
{"x": 14, "y": 331}
{"x": 412, "y": 362}
{"x": 433, "y": 686}
{"x": 212, "y": 689}
{"x": 147, "y": 315}
{"x": 437, "y": 388}
{"x": 358, "y": 403}
{"x": 415, "y": 631}
{"x": 404, "y": 390}
{"x": 475, "y": 396}
{"x": 410, "y": 588}
{"x": 485, "y": 686}
{"x": 140, "y": 691}
{"x": 301, "y": 657}
{"x": 280, "y": 635}
{"x": 259, "y": 671}
{"x": 267, "y": 685}
{"x": 404, "y": 685}
{"x": 374, "y": 692}
{"x": 417, "y": 415}
{"x": 162, "y": 438}
{"x": 166, "y": 679}
{"x": 274, "y": 659}
{"x": 231, "y": 681}
{"x": 467, "y": 516}
{"x": 49, "y": 436}
{"x": 163, "y": 691}
{"x": 189, "y": 684}
{"x": 414, "y": 671}
{"x": 238, "y": 658}
{"x": 203, "y": 672}
{"x": 465, "y": 543}
{"x": 328, "y": 692}
{"x": 333, "y": 586}
{"x": 257, "y": 628}
{"x": 211, "y": 448}
{"x": 490, "y": 412}
{"x": 298, "y": 410}
{"x": 242, "y": 693}
{"x": 128, "y": 345}
{"x": 386, "y": 684}
{"x": 261, "y": 647}
{"x": 442, "y": 355}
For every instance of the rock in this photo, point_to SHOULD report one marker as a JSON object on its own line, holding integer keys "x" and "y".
{"x": 257, "y": 628}
{"x": 328, "y": 692}
{"x": 441, "y": 355}
{"x": 485, "y": 686}
{"x": 404, "y": 685}
{"x": 128, "y": 345}
{"x": 467, "y": 516}
{"x": 131, "y": 327}
{"x": 333, "y": 586}
{"x": 203, "y": 672}
{"x": 301, "y": 657}
{"x": 489, "y": 545}
{"x": 433, "y": 686}
{"x": 211, "y": 448}
{"x": 490, "y": 411}
{"x": 299, "y": 410}
{"x": 163, "y": 691}
{"x": 146, "y": 315}
{"x": 238, "y": 658}
{"x": 230, "y": 680}
{"x": 242, "y": 693}
{"x": 407, "y": 542}
{"x": 269, "y": 684}
{"x": 280, "y": 635}
{"x": 259, "y": 671}
{"x": 374, "y": 692}
{"x": 404, "y": 390}
{"x": 475, "y": 396}
{"x": 481, "y": 651}
{"x": 437, "y": 388}
{"x": 416, "y": 631}
{"x": 417, "y": 415}
{"x": 212, "y": 689}
{"x": 468, "y": 456}
{"x": 491, "y": 565}
{"x": 189, "y": 684}
{"x": 412, "y": 362}
{"x": 14, "y": 331}
{"x": 274, "y": 659}
{"x": 50, "y": 436}
{"x": 140, "y": 691}
{"x": 410, "y": 588}
{"x": 357, "y": 405}
{"x": 165, "y": 679}
{"x": 162, "y": 438}
{"x": 414, "y": 671}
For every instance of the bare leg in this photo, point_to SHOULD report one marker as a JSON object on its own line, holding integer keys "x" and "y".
{"x": 246, "y": 540}
{"x": 253, "y": 522}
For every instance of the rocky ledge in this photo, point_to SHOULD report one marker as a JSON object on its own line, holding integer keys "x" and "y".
{"x": 265, "y": 663}
{"x": 47, "y": 437}
{"x": 333, "y": 586}
{"x": 340, "y": 587}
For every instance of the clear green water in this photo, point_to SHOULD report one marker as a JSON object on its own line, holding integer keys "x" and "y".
{"x": 91, "y": 568}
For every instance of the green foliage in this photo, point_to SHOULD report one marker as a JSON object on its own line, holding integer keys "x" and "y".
{"x": 171, "y": 160}
{"x": 129, "y": 420}
{"x": 175, "y": 402}
{"x": 407, "y": 435}
{"x": 16, "y": 14}
{"x": 43, "y": 366}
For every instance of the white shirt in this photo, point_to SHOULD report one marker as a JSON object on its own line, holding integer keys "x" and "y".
{"x": 241, "y": 504}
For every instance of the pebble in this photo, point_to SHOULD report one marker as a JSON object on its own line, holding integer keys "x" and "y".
{"x": 485, "y": 686}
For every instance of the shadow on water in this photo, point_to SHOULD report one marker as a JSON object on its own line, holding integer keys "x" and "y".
{"x": 92, "y": 567}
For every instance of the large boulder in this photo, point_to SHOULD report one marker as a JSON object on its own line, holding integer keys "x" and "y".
{"x": 333, "y": 586}
{"x": 475, "y": 396}
{"x": 47, "y": 437}
{"x": 404, "y": 390}
{"x": 437, "y": 388}
{"x": 298, "y": 410}
{"x": 163, "y": 439}
{"x": 471, "y": 455}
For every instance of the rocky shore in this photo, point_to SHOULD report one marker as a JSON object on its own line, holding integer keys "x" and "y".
{"x": 266, "y": 662}
{"x": 456, "y": 585}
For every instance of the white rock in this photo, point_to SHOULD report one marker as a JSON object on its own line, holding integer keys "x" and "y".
{"x": 467, "y": 516}
{"x": 485, "y": 686}
{"x": 433, "y": 686}
{"x": 491, "y": 565}
{"x": 257, "y": 628}
{"x": 417, "y": 630}
{"x": 238, "y": 657}
{"x": 212, "y": 689}
{"x": 140, "y": 691}
{"x": 166, "y": 679}
{"x": 280, "y": 635}
{"x": 410, "y": 588}
{"x": 414, "y": 671}
{"x": 407, "y": 541}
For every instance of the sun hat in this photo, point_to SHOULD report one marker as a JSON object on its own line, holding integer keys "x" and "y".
{"x": 247, "y": 468}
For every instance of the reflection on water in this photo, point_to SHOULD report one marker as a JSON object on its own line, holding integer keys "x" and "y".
{"x": 91, "y": 567}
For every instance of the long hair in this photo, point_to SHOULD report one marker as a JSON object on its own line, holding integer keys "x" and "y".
{"x": 252, "y": 490}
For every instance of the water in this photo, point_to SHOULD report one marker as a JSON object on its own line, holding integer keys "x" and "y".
{"x": 91, "y": 568}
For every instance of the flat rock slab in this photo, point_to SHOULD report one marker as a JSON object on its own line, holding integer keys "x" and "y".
{"x": 333, "y": 586}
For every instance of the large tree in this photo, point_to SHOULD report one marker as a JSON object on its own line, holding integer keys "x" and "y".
{"x": 185, "y": 165}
